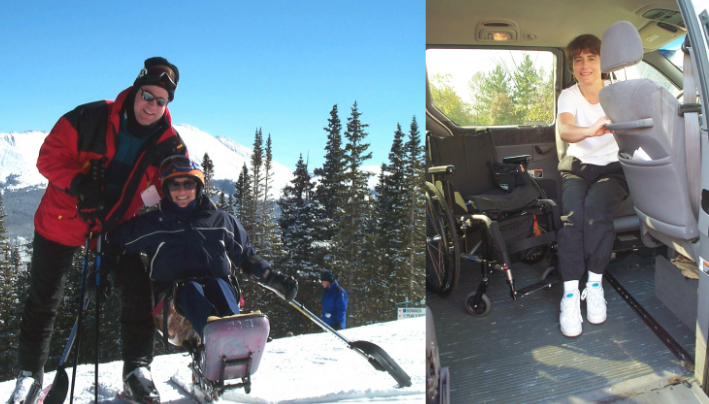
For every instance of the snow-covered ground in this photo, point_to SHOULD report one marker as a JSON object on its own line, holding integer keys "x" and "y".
{"x": 313, "y": 368}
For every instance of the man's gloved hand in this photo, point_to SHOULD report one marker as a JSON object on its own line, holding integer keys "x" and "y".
{"x": 108, "y": 262}
{"x": 284, "y": 285}
{"x": 89, "y": 196}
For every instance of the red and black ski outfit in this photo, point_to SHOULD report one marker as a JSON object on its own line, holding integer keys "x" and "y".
{"x": 88, "y": 133}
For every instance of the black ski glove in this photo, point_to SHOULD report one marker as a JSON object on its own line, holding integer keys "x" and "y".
{"x": 283, "y": 285}
{"x": 108, "y": 262}
{"x": 89, "y": 196}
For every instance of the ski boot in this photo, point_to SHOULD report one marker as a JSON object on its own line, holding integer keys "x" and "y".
{"x": 138, "y": 387}
{"x": 27, "y": 389}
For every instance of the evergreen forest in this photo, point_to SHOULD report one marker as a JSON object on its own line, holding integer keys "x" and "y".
{"x": 326, "y": 218}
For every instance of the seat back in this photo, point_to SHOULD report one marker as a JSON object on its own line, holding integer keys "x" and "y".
{"x": 645, "y": 115}
{"x": 471, "y": 155}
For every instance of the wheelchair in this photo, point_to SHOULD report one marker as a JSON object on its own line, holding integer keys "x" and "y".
{"x": 471, "y": 216}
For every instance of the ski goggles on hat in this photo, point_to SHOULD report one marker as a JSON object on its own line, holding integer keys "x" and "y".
{"x": 149, "y": 98}
{"x": 177, "y": 164}
{"x": 157, "y": 73}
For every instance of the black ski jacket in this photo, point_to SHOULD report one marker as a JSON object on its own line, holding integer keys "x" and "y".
{"x": 199, "y": 246}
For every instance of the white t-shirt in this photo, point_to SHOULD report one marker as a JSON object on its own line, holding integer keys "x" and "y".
{"x": 599, "y": 150}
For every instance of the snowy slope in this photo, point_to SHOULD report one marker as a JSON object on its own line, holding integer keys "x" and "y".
{"x": 19, "y": 151}
{"x": 313, "y": 368}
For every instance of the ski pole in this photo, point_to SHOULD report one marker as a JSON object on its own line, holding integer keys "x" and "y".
{"x": 99, "y": 174}
{"x": 81, "y": 313}
{"x": 98, "y": 310}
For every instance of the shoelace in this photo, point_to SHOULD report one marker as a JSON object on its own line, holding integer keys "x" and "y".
{"x": 594, "y": 296}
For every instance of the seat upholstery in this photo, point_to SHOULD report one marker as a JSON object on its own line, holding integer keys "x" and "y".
{"x": 645, "y": 115}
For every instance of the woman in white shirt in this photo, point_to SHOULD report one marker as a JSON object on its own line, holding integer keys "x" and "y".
{"x": 593, "y": 186}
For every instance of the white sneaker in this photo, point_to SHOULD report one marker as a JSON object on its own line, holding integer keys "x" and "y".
{"x": 570, "y": 318}
{"x": 595, "y": 303}
{"x": 26, "y": 391}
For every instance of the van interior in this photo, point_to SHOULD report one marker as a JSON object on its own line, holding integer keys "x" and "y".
{"x": 494, "y": 73}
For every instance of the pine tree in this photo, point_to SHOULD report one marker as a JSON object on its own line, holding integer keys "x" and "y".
{"x": 352, "y": 237}
{"x": 331, "y": 188}
{"x": 391, "y": 226}
{"x": 257, "y": 233}
{"x": 272, "y": 248}
{"x": 415, "y": 207}
{"x": 222, "y": 204}
{"x": 208, "y": 169}
{"x": 243, "y": 199}
{"x": 300, "y": 222}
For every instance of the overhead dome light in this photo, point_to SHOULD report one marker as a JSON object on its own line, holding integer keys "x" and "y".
{"x": 497, "y": 30}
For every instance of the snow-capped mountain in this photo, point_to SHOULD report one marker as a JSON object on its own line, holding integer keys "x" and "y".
{"x": 19, "y": 151}
{"x": 229, "y": 157}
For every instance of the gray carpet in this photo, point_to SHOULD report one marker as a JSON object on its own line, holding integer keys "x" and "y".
{"x": 516, "y": 354}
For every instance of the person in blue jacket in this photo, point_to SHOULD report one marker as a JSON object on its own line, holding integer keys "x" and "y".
{"x": 192, "y": 244}
{"x": 334, "y": 301}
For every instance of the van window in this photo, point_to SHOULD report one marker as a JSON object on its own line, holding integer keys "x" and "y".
{"x": 646, "y": 71}
{"x": 492, "y": 87}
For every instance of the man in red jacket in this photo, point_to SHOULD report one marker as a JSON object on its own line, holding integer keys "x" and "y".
{"x": 127, "y": 138}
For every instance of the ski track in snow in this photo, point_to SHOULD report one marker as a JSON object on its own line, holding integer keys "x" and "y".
{"x": 312, "y": 368}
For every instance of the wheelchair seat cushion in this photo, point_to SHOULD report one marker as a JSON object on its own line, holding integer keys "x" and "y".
{"x": 498, "y": 200}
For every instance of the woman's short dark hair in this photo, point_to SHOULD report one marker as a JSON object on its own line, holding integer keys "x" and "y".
{"x": 587, "y": 42}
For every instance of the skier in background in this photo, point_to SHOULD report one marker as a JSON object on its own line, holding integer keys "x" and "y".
{"x": 130, "y": 136}
{"x": 334, "y": 301}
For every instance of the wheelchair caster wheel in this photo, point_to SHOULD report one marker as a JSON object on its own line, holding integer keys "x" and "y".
{"x": 547, "y": 273}
{"x": 482, "y": 309}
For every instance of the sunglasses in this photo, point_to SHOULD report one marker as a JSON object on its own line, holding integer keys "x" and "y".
{"x": 149, "y": 98}
{"x": 186, "y": 185}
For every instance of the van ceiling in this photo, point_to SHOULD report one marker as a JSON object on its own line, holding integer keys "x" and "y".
{"x": 539, "y": 23}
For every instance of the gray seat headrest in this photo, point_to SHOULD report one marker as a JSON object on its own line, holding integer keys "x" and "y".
{"x": 621, "y": 46}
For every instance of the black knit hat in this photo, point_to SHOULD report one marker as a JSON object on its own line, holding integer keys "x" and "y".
{"x": 327, "y": 276}
{"x": 159, "y": 72}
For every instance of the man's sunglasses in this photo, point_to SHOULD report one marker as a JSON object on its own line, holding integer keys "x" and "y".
{"x": 149, "y": 98}
{"x": 186, "y": 185}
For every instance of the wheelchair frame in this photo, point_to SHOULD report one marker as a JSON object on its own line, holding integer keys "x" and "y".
{"x": 447, "y": 233}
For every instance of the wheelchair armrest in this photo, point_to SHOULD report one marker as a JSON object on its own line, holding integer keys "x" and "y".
{"x": 518, "y": 160}
{"x": 449, "y": 169}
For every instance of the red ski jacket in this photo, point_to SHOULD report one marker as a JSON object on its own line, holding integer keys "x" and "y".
{"x": 88, "y": 133}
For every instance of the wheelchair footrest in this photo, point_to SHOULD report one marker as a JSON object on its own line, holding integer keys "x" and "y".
{"x": 548, "y": 282}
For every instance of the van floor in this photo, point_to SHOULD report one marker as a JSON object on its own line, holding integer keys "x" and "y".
{"x": 516, "y": 354}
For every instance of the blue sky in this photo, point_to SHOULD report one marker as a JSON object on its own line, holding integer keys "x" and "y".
{"x": 277, "y": 65}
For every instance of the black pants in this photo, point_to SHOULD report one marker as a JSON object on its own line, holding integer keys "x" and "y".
{"x": 590, "y": 195}
{"x": 51, "y": 262}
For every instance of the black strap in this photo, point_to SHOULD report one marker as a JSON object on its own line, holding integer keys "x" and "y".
{"x": 531, "y": 242}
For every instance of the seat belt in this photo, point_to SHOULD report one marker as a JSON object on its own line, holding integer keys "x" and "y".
{"x": 691, "y": 132}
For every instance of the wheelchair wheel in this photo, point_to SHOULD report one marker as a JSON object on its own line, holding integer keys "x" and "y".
{"x": 442, "y": 251}
{"x": 482, "y": 309}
